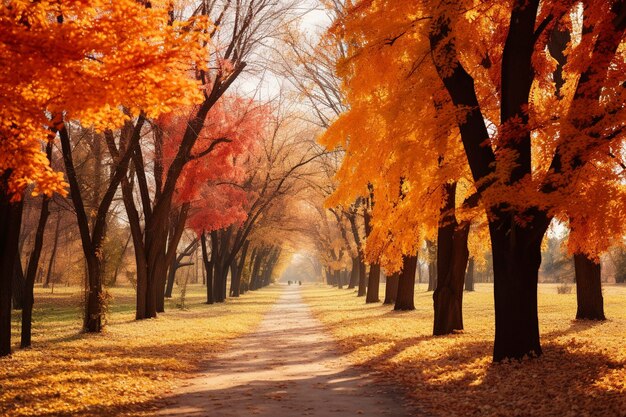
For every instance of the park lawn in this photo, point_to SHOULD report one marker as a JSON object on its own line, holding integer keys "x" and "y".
{"x": 582, "y": 371}
{"x": 125, "y": 370}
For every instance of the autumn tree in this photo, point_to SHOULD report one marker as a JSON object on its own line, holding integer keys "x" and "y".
{"x": 482, "y": 72}
{"x": 39, "y": 89}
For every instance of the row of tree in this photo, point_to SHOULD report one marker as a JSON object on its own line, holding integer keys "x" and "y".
{"x": 470, "y": 127}
{"x": 139, "y": 126}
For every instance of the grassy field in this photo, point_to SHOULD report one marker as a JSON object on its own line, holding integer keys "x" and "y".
{"x": 582, "y": 371}
{"x": 127, "y": 368}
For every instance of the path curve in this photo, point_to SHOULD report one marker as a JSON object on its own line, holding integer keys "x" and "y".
{"x": 288, "y": 367}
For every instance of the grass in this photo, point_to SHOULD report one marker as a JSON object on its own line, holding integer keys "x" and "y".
{"x": 126, "y": 369}
{"x": 582, "y": 371}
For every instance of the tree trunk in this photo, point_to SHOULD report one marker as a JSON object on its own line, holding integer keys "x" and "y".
{"x": 234, "y": 275}
{"x": 362, "y": 290}
{"x": 254, "y": 279}
{"x": 177, "y": 263}
{"x": 119, "y": 263}
{"x": 452, "y": 256}
{"x": 338, "y": 278}
{"x": 406, "y": 284}
{"x": 208, "y": 267}
{"x": 432, "y": 265}
{"x": 171, "y": 278}
{"x": 236, "y": 287}
{"x": 55, "y": 244}
{"x": 588, "y": 288}
{"x": 10, "y": 222}
{"x": 94, "y": 302}
{"x": 469, "y": 275}
{"x": 516, "y": 261}
{"x": 373, "y": 284}
{"x": 18, "y": 283}
{"x": 391, "y": 288}
{"x": 33, "y": 264}
{"x": 354, "y": 273}
{"x": 448, "y": 297}
{"x": 173, "y": 260}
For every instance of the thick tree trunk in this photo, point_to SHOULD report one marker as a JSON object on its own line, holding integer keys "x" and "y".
{"x": 373, "y": 284}
{"x": 406, "y": 284}
{"x": 448, "y": 297}
{"x": 10, "y": 222}
{"x": 391, "y": 288}
{"x": 469, "y": 275}
{"x": 588, "y": 288}
{"x": 516, "y": 261}
{"x": 92, "y": 322}
{"x": 452, "y": 256}
{"x": 354, "y": 273}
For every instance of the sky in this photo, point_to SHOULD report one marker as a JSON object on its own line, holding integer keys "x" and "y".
{"x": 313, "y": 22}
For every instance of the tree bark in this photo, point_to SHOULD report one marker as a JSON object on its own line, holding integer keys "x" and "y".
{"x": 391, "y": 288}
{"x": 516, "y": 261}
{"x": 208, "y": 267}
{"x": 33, "y": 264}
{"x": 469, "y": 275}
{"x": 588, "y": 288}
{"x": 18, "y": 283}
{"x": 177, "y": 227}
{"x": 354, "y": 273}
{"x": 373, "y": 284}
{"x": 178, "y": 263}
{"x": 55, "y": 244}
{"x": 10, "y": 222}
{"x": 452, "y": 256}
{"x": 235, "y": 286}
{"x": 432, "y": 265}
{"x": 406, "y": 284}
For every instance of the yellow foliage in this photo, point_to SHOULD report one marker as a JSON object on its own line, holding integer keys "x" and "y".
{"x": 582, "y": 371}
{"x": 125, "y": 370}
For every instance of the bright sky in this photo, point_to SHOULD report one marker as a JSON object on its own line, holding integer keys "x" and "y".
{"x": 313, "y": 22}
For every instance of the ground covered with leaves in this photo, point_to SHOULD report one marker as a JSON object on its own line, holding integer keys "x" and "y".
{"x": 582, "y": 371}
{"x": 125, "y": 370}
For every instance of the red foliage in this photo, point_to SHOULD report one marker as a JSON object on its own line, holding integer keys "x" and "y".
{"x": 211, "y": 182}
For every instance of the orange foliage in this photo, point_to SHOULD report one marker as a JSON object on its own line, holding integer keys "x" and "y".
{"x": 85, "y": 59}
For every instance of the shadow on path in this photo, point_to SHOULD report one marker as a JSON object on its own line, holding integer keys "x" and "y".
{"x": 288, "y": 367}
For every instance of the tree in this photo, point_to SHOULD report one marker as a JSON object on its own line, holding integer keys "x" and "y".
{"x": 466, "y": 66}
{"x": 129, "y": 52}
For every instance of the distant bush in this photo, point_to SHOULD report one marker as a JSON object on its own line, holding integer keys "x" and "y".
{"x": 564, "y": 288}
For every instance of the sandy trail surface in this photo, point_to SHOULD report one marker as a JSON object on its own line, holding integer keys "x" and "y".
{"x": 289, "y": 366}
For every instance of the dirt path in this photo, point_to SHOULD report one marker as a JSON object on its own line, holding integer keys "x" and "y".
{"x": 288, "y": 367}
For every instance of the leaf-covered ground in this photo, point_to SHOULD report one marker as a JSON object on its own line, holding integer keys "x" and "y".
{"x": 582, "y": 371}
{"x": 127, "y": 368}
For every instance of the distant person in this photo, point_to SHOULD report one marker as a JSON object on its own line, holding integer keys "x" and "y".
{"x": 289, "y": 282}
{"x": 299, "y": 282}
